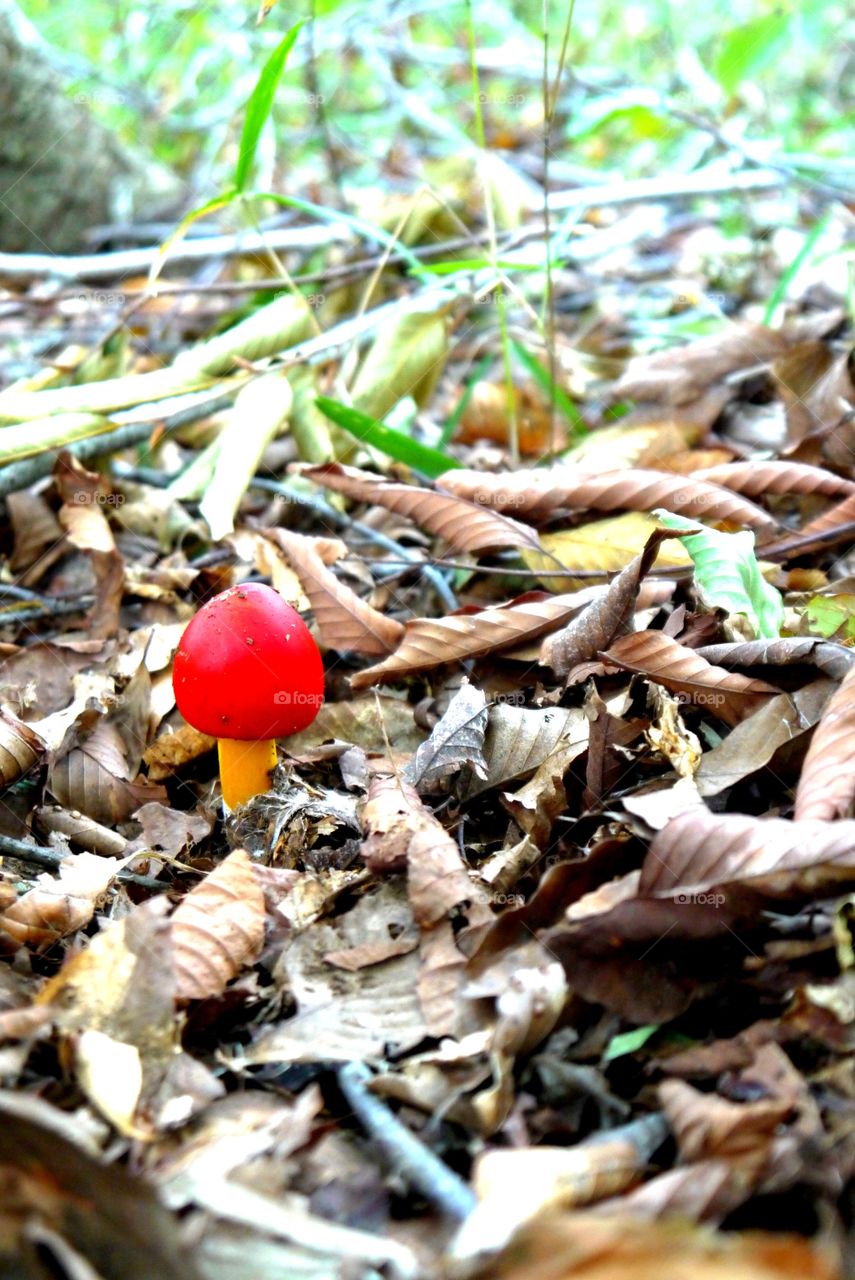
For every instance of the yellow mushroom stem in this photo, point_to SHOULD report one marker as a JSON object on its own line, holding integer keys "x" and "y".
{"x": 245, "y": 768}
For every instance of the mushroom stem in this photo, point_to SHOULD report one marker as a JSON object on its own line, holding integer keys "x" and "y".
{"x": 245, "y": 768}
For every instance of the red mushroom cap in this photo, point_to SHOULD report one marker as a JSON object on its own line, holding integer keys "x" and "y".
{"x": 247, "y": 667}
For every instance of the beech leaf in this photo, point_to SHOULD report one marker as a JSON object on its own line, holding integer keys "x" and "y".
{"x": 456, "y": 740}
{"x": 465, "y": 526}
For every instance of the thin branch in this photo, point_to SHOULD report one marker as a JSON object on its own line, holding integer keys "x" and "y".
{"x": 403, "y": 1151}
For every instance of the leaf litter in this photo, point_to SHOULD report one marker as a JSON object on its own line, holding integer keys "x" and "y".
{"x": 536, "y": 958}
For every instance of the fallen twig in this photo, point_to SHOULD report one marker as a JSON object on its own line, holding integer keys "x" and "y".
{"x": 404, "y": 1152}
{"x": 40, "y": 856}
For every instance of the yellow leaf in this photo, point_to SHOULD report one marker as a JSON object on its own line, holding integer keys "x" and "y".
{"x": 605, "y": 545}
{"x": 640, "y": 445}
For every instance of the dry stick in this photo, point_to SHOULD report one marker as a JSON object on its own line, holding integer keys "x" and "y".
{"x": 19, "y": 475}
{"x": 40, "y": 856}
{"x": 402, "y": 1149}
{"x": 100, "y": 266}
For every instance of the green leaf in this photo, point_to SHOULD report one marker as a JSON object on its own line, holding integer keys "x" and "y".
{"x": 260, "y": 105}
{"x": 427, "y": 461}
{"x": 629, "y": 1041}
{"x": 557, "y": 395}
{"x": 749, "y": 48}
{"x": 832, "y": 617}
{"x": 727, "y": 575}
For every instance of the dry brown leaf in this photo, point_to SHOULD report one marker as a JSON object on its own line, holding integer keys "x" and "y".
{"x": 80, "y": 830}
{"x": 172, "y": 751}
{"x": 538, "y": 495}
{"x": 93, "y": 777}
{"x": 217, "y": 929}
{"x": 344, "y": 1014}
{"x": 682, "y": 670}
{"x": 677, "y": 374}
{"x": 401, "y": 832}
{"x": 839, "y": 516}
{"x": 517, "y": 1186}
{"x": 20, "y": 749}
{"x": 707, "y": 1126}
{"x": 706, "y": 1191}
{"x": 831, "y": 659}
{"x": 58, "y": 905}
{"x": 464, "y": 526}
{"x": 456, "y": 740}
{"x": 594, "y": 629}
{"x": 587, "y": 1246}
{"x": 432, "y": 642}
{"x": 537, "y": 804}
{"x": 38, "y": 536}
{"x": 82, "y": 516}
{"x": 485, "y": 417}
{"x": 375, "y": 723}
{"x": 777, "y": 726}
{"x": 700, "y": 850}
{"x": 98, "y": 1217}
{"x": 344, "y": 620}
{"x": 827, "y": 783}
{"x": 759, "y": 477}
{"x": 520, "y": 739}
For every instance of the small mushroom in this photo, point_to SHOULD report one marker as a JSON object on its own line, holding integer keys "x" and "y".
{"x": 247, "y": 672}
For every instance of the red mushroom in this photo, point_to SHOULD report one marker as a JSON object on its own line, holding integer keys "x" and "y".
{"x": 247, "y": 671}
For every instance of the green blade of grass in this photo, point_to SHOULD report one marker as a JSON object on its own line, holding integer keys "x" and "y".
{"x": 479, "y": 264}
{"x": 260, "y": 105}
{"x": 558, "y": 396}
{"x": 781, "y": 288}
{"x": 460, "y": 408}
{"x": 427, "y": 461}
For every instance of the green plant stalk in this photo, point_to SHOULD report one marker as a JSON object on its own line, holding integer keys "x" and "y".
{"x": 788, "y": 276}
{"x": 550, "y": 101}
{"x": 513, "y": 426}
{"x": 558, "y": 397}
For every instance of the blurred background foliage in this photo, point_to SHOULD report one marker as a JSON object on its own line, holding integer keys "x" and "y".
{"x": 649, "y": 85}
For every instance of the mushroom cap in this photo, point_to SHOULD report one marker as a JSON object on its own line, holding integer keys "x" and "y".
{"x": 247, "y": 667}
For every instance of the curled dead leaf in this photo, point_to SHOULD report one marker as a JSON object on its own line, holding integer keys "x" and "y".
{"x": 344, "y": 620}
{"x": 538, "y": 495}
{"x": 432, "y": 642}
{"x": 21, "y": 749}
{"x": 827, "y": 783}
{"x": 217, "y": 929}
{"x": 463, "y": 525}
{"x": 684, "y": 671}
